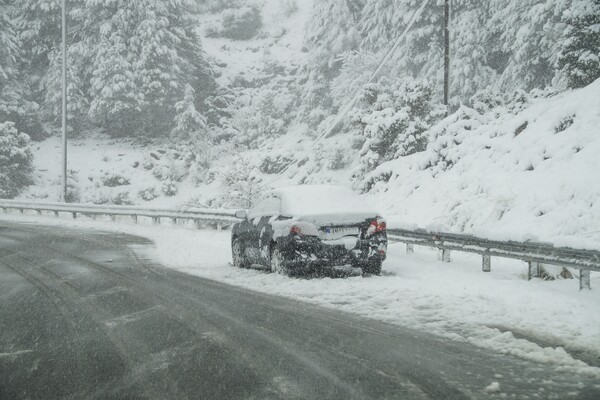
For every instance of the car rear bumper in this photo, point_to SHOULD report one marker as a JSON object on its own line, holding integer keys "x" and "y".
{"x": 308, "y": 251}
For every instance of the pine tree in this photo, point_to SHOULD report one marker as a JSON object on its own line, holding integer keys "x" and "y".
{"x": 10, "y": 87}
{"x": 15, "y": 160}
{"x": 189, "y": 123}
{"x": 116, "y": 100}
{"x": 528, "y": 33}
{"x": 39, "y": 25}
{"x": 52, "y": 87}
{"x": 158, "y": 52}
{"x": 14, "y": 103}
{"x": 580, "y": 57}
{"x": 332, "y": 30}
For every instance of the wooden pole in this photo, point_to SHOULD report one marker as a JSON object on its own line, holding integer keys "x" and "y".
{"x": 64, "y": 102}
{"x": 447, "y": 56}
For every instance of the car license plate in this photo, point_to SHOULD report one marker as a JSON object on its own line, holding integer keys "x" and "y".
{"x": 331, "y": 232}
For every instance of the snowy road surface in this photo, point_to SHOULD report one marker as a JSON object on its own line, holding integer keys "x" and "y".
{"x": 82, "y": 316}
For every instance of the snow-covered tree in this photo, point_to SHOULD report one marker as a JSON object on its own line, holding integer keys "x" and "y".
{"x": 39, "y": 25}
{"x": 10, "y": 87}
{"x": 116, "y": 101}
{"x": 528, "y": 33}
{"x": 189, "y": 123}
{"x": 52, "y": 88}
{"x": 580, "y": 57}
{"x": 157, "y": 54}
{"x": 14, "y": 103}
{"x": 393, "y": 121}
{"x": 15, "y": 160}
{"x": 241, "y": 184}
{"x": 332, "y": 30}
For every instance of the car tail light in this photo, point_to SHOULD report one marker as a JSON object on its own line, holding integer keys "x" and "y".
{"x": 377, "y": 225}
{"x": 303, "y": 228}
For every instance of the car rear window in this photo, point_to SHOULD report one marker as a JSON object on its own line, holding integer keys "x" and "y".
{"x": 317, "y": 200}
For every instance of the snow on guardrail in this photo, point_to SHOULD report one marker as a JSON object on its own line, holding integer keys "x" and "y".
{"x": 534, "y": 253}
{"x": 219, "y": 217}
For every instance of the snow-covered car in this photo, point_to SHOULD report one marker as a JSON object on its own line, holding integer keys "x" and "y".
{"x": 300, "y": 229}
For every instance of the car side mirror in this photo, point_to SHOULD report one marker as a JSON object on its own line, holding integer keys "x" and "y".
{"x": 241, "y": 214}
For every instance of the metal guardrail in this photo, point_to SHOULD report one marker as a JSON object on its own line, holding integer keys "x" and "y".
{"x": 216, "y": 218}
{"x": 534, "y": 253}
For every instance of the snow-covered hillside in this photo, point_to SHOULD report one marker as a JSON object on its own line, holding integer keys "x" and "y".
{"x": 530, "y": 171}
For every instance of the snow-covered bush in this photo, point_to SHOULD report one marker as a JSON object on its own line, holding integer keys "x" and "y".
{"x": 241, "y": 184}
{"x": 121, "y": 199}
{"x": 73, "y": 188}
{"x": 241, "y": 23}
{"x": 394, "y": 119}
{"x": 337, "y": 160}
{"x": 169, "y": 189}
{"x": 255, "y": 127}
{"x": 446, "y": 138}
{"x": 148, "y": 194}
{"x": 114, "y": 180}
{"x": 15, "y": 160}
{"x": 275, "y": 164}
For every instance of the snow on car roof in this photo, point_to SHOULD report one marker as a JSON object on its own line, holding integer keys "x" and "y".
{"x": 322, "y": 200}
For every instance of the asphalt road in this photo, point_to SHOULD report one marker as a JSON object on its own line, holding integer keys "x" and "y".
{"x": 83, "y": 317}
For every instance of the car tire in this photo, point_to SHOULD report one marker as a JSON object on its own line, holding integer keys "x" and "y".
{"x": 278, "y": 264}
{"x": 372, "y": 267}
{"x": 237, "y": 254}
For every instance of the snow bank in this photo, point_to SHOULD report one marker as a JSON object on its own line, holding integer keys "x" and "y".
{"x": 531, "y": 174}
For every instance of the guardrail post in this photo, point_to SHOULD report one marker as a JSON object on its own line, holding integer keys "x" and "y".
{"x": 113, "y": 217}
{"x": 39, "y": 212}
{"x": 134, "y": 218}
{"x": 156, "y": 220}
{"x": 74, "y": 215}
{"x": 56, "y": 214}
{"x": 584, "y": 279}
{"x": 410, "y": 248}
{"x": 197, "y": 224}
{"x": 219, "y": 226}
{"x": 21, "y": 210}
{"x": 444, "y": 255}
{"x": 486, "y": 264}
{"x": 174, "y": 220}
{"x": 533, "y": 270}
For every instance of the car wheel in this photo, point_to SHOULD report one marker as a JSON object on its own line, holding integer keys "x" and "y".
{"x": 372, "y": 267}
{"x": 279, "y": 265}
{"x": 237, "y": 254}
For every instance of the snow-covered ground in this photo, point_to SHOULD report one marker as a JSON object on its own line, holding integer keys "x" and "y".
{"x": 549, "y": 322}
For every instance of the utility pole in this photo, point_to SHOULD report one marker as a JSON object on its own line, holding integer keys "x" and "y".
{"x": 446, "y": 55}
{"x": 64, "y": 102}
